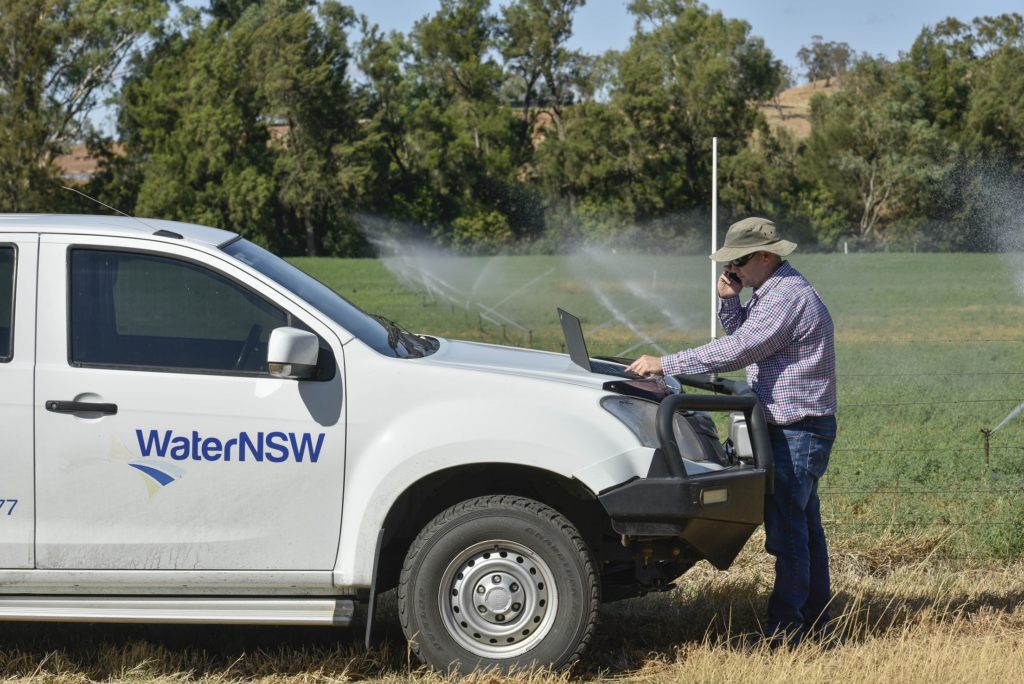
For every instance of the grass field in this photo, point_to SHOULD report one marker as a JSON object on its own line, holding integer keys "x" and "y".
{"x": 927, "y": 538}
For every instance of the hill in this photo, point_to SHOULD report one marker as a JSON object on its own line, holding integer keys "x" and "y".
{"x": 794, "y": 107}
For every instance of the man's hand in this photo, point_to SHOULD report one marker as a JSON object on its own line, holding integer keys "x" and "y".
{"x": 647, "y": 365}
{"x": 728, "y": 287}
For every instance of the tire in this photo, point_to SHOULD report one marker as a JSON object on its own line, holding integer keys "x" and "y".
{"x": 498, "y": 582}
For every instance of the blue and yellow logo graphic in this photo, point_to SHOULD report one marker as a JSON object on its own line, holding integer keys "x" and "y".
{"x": 157, "y": 475}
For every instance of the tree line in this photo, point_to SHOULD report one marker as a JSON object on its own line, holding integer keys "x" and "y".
{"x": 299, "y": 124}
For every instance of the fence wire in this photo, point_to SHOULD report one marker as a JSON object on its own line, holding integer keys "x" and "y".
{"x": 955, "y": 514}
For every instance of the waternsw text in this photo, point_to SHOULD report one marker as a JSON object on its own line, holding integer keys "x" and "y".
{"x": 273, "y": 447}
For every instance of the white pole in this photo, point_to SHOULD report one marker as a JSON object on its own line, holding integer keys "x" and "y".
{"x": 714, "y": 235}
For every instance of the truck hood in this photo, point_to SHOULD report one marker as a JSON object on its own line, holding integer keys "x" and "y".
{"x": 515, "y": 361}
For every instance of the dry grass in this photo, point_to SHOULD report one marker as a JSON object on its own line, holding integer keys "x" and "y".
{"x": 794, "y": 107}
{"x": 903, "y": 615}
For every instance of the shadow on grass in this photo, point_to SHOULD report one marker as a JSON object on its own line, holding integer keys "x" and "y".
{"x": 113, "y": 652}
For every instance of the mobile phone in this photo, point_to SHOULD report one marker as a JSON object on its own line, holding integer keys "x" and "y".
{"x": 733, "y": 277}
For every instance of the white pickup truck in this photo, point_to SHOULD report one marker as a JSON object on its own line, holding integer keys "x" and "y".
{"x": 196, "y": 431}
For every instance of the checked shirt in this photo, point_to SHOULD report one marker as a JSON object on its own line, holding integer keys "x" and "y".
{"x": 783, "y": 336}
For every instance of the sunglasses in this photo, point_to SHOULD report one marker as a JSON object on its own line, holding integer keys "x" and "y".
{"x": 741, "y": 262}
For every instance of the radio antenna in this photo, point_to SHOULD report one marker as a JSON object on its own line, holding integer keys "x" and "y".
{"x": 113, "y": 209}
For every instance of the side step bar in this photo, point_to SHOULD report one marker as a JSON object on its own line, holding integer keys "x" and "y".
{"x": 239, "y": 611}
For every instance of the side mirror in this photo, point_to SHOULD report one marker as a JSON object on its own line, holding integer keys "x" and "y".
{"x": 292, "y": 353}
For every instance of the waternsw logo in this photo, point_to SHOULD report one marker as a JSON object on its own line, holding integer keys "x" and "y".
{"x": 270, "y": 447}
{"x": 157, "y": 475}
{"x": 160, "y": 448}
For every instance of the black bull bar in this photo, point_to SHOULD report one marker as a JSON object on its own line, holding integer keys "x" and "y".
{"x": 714, "y": 512}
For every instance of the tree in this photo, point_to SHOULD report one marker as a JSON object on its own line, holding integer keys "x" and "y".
{"x": 229, "y": 11}
{"x": 451, "y": 51}
{"x": 532, "y": 37}
{"x": 57, "y": 57}
{"x": 872, "y": 149}
{"x": 249, "y": 122}
{"x": 994, "y": 124}
{"x": 764, "y": 179}
{"x": 783, "y": 82}
{"x": 591, "y": 167}
{"x": 940, "y": 62}
{"x": 395, "y": 184}
{"x": 689, "y": 74}
{"x": 967, "y": 77}
{"x": 824, "y": 60}
{"x": 440, "y": 130}
{"x": 754, "y": 179}
{"x": 305, "y": 92}
{"x": 191, "y": 117}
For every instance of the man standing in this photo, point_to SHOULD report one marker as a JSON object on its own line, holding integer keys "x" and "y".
{"x": 783, "y": 336}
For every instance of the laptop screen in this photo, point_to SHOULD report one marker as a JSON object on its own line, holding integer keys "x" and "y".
{"x": 574, "y": 342}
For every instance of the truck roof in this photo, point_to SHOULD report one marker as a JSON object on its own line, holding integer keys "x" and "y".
{"x": 111, "y": 225}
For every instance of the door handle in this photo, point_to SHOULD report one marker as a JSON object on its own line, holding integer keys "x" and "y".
{"x": 80, "y": 407}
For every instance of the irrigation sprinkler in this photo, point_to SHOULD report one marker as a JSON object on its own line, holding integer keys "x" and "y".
{"x": 988, "y": 433}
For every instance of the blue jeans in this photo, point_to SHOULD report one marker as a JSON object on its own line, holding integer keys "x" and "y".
{"x": 793, "y": 531}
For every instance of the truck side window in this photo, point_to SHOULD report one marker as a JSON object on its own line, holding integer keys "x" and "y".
{"x": 6, "y": 301}
{"x": 147, "y": 311}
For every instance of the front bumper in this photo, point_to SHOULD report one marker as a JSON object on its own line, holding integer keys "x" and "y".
{"x": 714, "y": 513}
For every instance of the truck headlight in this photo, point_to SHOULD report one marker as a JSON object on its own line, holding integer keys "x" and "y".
{"x": 640, "y": 416}
{"x": 636, "y": 414}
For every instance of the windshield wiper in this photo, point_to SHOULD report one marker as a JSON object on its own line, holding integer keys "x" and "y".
{"x": 413, "y": 345}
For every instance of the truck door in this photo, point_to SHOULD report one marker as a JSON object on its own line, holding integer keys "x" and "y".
{"x": 17, "y": 356}
{"x": 162, "y": 442}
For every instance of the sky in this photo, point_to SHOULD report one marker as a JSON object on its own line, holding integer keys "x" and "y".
{"x": 884, "y": 27}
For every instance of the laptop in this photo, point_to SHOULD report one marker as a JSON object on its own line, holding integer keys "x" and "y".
{"x": 576, "y": 345}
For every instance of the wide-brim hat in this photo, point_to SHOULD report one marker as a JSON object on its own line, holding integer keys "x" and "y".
{"x": 752, "y": 234}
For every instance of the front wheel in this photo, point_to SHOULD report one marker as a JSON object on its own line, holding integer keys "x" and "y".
{"x": 498, "y": 581}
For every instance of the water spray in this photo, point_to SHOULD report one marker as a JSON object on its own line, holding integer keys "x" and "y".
{"x": 525, "y": 286}
{"x": 676, "y": 319}
{"x": 419, "y": 277}
{"x": 1010, "y": 416}
{"x": 621, "y": 318}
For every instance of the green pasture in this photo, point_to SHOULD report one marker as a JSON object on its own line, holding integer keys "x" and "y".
{"x": 930, "y": 352}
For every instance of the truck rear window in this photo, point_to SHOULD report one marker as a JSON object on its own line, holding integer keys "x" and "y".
{"x": 6, "y": 301}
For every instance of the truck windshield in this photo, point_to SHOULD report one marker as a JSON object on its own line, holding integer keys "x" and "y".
{"x": 383, "y": 335}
